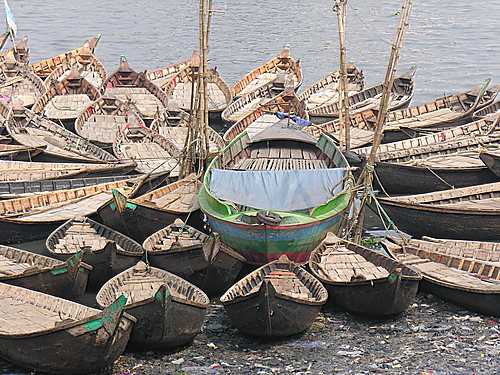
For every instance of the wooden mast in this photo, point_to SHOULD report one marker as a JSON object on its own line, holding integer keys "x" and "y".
{"x": 366, "y": 177}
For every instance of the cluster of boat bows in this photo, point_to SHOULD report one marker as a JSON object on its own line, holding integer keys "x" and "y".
{"x": 91, "y": 163}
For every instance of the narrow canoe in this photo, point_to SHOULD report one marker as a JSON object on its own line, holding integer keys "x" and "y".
{"x": 453, "y": 272}
{"x": 169, "y": 310}
{"x": 278, "y": 299}
{"x": 471, "y": 213}
{"x": 47, "y": 275}
{"x": 283, "y": 71}
{"x": 34, "y": 324}
{"x": 361, "y": 280}
{"x": 107, "y": 251}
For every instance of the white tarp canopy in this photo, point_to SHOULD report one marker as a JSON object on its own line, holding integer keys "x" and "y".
{"x": 287, "y": 190}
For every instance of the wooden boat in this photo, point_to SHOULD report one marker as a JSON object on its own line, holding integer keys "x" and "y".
{"x": 174, "y": 126}
{"x": 3, "y": 38}
{"x": 47, "y": 275}
{"x": 148, "y": 149}
{"x": 140, "y": 217}
{"x": 181, "y": 85}
{"x": 33, "y": 130}
{"x": 492, "y": 160}
{"x": 401, "y": 94}
{"x": 194, "y": 256}
{"x": 44, "y": 68}
{"x": 471, "y": 213}
{"x": 283, "y": 70}
{"x": 19, "y": 152}
{"x": 101, "y": 121}
{"x": 438, "y": 115}
{"x": 278, "y": 299}
{"x": 26, "y": 171}
{"x": 245, "y": 105}
{"x": 21, "y": 52}
{"x": 169, "y": 310}
{"x": 19, "y": 85}
{"x": 490, "y": 110}
{"x": 326, "y": 90}
{"x": 363, "y": 281}
{"x": 452, "y": 274}
{"x": 160, "y": 77}
{"x": 106, "y": 250}
{"x": 88, "y": 65}
{"x": 65, "y": 99}
{"x": 438, "y": 161}
{"x": 127, "y": 85}
{"x": 19, "y": 189}
{"x": 244, "y": 200}
{"x": 31, "y": 218}
{"x": 33, "y": 324}
{"x": 264, "y": 116}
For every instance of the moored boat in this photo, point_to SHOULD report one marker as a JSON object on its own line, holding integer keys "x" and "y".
{"x": 455, "y": 273}
{"x": 169, "y": 310}
{"x": 21, "y": 52}
{"x": 361, "y": 280}
{"x": 490, "y": 110}
{"x": 282, "y": 71}
{"x": 401, "y": 93}
{"x": 471, "y": 213}
{"x": 43, "y": 274}
{"x": 33, "y": 324}
{"x": 254, "y": 194}
{"x": 278, "y": 299}
{"x": 492, "y": 160}
{"x": 160, "y": 77}
{"x": 107, "y": 251}
{"x": 19, "y": 152}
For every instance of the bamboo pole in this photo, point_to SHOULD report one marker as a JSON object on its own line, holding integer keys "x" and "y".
{"x": 366, "y": 177}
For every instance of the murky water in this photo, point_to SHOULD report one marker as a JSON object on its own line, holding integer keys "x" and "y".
{"x": 455, "y": 43}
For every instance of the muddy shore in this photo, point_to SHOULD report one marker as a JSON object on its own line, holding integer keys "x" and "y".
{"x": 431, "y": 337}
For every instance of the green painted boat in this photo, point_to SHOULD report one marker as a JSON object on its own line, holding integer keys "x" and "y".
{"x": 277, "y": 193}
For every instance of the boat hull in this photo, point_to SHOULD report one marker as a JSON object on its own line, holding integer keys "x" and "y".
{"x": 491, "y": 161}
{"x": 263, "y": 243}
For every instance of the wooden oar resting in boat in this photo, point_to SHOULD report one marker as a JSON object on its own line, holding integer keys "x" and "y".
{"x": 194, "y": 256}
{"x": 25, "y": 171}
{"x": 363, "y": 281}
{"x": 19, "y": 152}
{"x": 282, "y": 71}
{"x": 30, "y": 218}
{"x": 492, "y": 160}
{"x": 278, "y": 299}
{"x": 161, "y": 77}
{"x": 127, "y": 85}
{"x": 174, "y": 126}
{"x": 43, "y": 333}
{"x": 106, "y": 250}
{"x": 181, "y": 86}
{"x": 140, "y": 217}
{"x": 437, "y": 161}
{"x": 101, "y": 122}
{"x": 18, "y": 84}
{"x": 401, "y": 94}
{"x": 21, "y": 52}
{"x": 19, "y": 189}
{"x": 47, "y": 275}
{"x": 65, "y": 99}
{"x": 169, "y": 310}
{"x": 33, "y": 130}
{"x": 438, "y": 115}
{"x": 253, "y": 193}
{"x": 490, "y": 110}
{"x": 457, "y": 271}
{"x": 148, "y": 149}
{"x": 264, "y": 116}
{"x": 466, "y": 213}
{"x": 44, "y": 68}
{"x": 326, "y": 90}
{"x": 88, "y": 66}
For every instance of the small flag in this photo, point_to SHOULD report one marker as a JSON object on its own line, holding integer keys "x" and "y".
{"x": 11, "y": 21}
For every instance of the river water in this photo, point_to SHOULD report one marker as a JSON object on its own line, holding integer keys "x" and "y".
{"x": 454, "y": 43}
